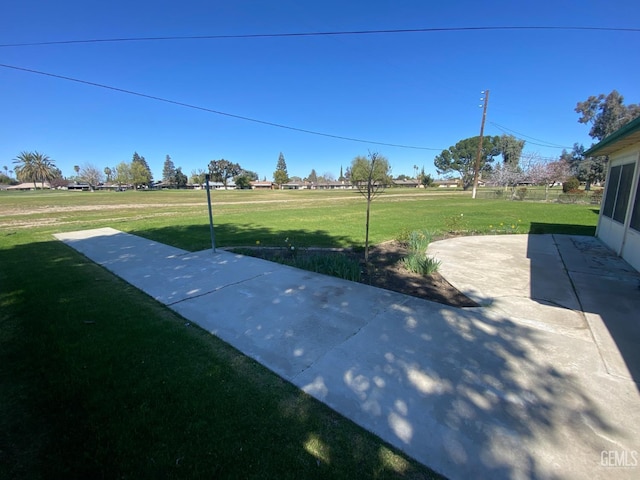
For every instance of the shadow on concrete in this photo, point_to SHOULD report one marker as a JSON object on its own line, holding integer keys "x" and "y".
{"x": 606, "y": 288}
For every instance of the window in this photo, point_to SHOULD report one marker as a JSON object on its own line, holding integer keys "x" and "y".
{"x": 612, "y": 189}
{"x": 624, "y": 192}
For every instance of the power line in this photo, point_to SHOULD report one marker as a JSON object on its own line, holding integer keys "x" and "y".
{"x": 217, "y": 112}
{"x": 544, "y": 144}
{"x": 320, "y": 34}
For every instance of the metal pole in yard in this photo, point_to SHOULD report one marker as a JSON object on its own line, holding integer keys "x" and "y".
{"x": 213, "y": 235}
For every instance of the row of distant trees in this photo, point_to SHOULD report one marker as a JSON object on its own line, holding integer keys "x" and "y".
{"x": 605, "y": 114}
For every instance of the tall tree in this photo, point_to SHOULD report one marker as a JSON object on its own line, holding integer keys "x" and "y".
{"x": 461, "y": 158}
{"x": 313, "y": 176}
{"x": 140, "y": 171}
{"x": 370, "y": 175}
{"x": 606, "y": 113}
{"x": 222, "y": 170}
{"x": 341, "y": 177}
{"x": 122, "y": 174}
{"x": 168, "y": 171}
{"x": 179, "y": 178}
{"x": 280, "y": 176}
{"x": 108, "y": 172}
{"x": 511, "y": 149}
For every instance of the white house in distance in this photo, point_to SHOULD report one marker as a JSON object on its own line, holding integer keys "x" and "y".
{"x": 619, "y": 220}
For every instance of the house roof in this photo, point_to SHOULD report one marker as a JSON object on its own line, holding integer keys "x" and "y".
{"x": 621, "y": 138}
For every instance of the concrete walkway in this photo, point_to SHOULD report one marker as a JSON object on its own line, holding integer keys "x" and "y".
{"x": 536, "y": 383}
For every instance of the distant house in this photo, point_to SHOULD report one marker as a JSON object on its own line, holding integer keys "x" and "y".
{"x": 294, "y": 186}
{"x": 450, "y": 183}
{"x": 261, "y": 185}
{"x": 619, "y": 219}
{"x": 29, "y": 186}
{"x": 409, "y": 183}
{"x": 332, "y": 185}
{"x": 221, "y": 186}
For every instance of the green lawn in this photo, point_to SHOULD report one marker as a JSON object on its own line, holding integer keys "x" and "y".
{"x": 97, "y": 380}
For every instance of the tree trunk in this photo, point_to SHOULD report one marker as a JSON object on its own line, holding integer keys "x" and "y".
{"x": 366, "y": 235}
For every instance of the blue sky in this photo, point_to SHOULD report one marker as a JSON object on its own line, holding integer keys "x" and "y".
{"x": 415, "y": 89}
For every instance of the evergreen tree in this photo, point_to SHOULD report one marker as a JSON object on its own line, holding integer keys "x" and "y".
{"x": 511, "y": 149}
{"x": 281, "y": 176}
{"x": 179, "y": 178}
{"x": 169, "y": 171}
{"x": 140, "y": 171}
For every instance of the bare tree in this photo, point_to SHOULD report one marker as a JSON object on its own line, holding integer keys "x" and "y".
{"x": 92, "y": 175}
{"x": 370, "y": 176}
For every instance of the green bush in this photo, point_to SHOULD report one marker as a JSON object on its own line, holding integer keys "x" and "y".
{"x": 571, "y": 184}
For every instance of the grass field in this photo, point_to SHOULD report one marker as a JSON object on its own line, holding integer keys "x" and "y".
{"x": 97, "y": 380}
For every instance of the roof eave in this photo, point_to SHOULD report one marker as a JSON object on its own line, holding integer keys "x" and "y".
{"x": 621, "y": 138}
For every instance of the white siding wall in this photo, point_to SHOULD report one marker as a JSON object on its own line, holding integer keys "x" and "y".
{"x": 618, "y": 235}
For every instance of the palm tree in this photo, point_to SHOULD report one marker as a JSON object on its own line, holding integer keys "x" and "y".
{"x": 25, "y": 168}
{"x": 35, "y": 166}
{"x": 45, "y": 167}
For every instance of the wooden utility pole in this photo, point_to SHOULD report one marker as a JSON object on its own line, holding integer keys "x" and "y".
{"x": 476, "y": 172}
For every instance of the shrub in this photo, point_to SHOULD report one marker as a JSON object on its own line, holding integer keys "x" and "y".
{"x": 521, "y": 193}
{"x": 571, "y": 184}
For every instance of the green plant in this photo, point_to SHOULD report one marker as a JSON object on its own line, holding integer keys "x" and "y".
{"x": 570, "y": 185}
{"x": 336, "y": 265}
{"x": 402, "y": 236}
{"x": 417, "y": 260}
{"x": 455, "y": 224}
{"x": 505, "y": 227}
{"x": 421, "y": 263}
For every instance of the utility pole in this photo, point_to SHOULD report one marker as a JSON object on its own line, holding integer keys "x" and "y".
{"x": 477, "y": 167}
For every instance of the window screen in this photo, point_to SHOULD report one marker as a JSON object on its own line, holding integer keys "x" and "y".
{"x": 612, "y": 189}
{"x": 624, "y": 192}
{"x": 635, "y": 216}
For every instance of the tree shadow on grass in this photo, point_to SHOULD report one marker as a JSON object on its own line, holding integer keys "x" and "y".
{"x": 197, "y": 237}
